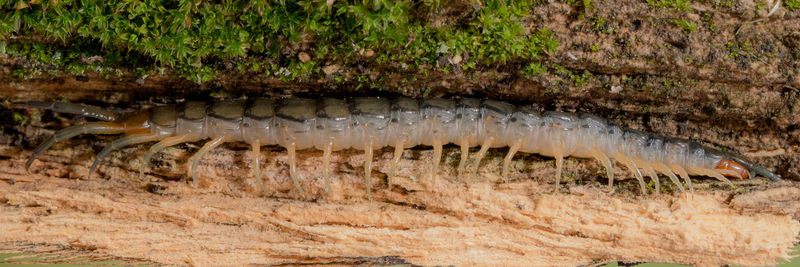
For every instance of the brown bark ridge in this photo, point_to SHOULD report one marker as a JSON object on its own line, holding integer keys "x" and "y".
{"x": 731, "y": 83}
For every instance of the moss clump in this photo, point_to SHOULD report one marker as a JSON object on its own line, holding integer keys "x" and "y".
{"x": 197, "y": 39}
{"x": 792, "y": 4}
{"x": 679, "y": 5}
{"x": 687, "y": 26}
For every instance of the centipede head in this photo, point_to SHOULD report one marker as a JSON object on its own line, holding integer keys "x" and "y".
{"x": 732, "y": 167}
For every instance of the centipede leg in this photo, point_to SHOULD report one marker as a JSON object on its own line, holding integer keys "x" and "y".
{"x": 119, "y": 143}
{"x": 603, "y": 159}
{"x": 729, "y": 173}
{"x": 257, "y": 164}
{"x": 398, "y": 153}
{"x": 169, "y": 141}
{"x": 507, "y": 161}
{"x": 326, "y": 165}
{"x": 481, "y": 153}
{"x": 464, "y": 143}
{"x": 666, "y": 171}
{"x": 653, "y": 175}
{"x": 628, "y": 162}
{"x": 437, "y": 157}
{"x": 715, "y": 174}
{"x": 87, "y": 128}
{"x": 368, "y": 166}
{"x": 195, "y": 159}
{"x": 683, "y": 174}
{"x": 559, "y": 166}
{"x": 292, "y": 155}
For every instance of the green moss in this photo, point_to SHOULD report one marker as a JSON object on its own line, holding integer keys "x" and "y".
{"x": 792, "y": 4}
{"x": 599, "y": 25}
{"x": 743, "y": 49}
{"x": 533, "y": 69}
{"x": 687, "y": 26}
{"x": 679, "y": 5}
{"x": 198, "y": 39}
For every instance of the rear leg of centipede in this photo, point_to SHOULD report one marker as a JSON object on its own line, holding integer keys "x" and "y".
{"x": 120, "y": 143}
{"x": 195, "y": 159}
{"x": 78, "y": 109}
{"x": 167, "y": 142}
{"x": 87, "y": 128}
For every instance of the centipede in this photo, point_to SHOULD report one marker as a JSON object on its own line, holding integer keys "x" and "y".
{"x": 370, "y": 123}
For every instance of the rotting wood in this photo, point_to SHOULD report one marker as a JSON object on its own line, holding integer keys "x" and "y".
{"x": 648, "y": 75}
{"x": 472, "y": 220}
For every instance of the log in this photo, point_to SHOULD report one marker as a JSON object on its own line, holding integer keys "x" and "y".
{"x": 225, "y": 219}
{"x": 731, "y": 83}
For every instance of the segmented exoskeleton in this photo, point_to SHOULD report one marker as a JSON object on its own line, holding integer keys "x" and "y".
{"x": 368, "y": 123}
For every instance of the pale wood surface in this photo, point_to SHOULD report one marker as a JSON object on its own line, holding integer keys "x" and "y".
{"x": 224, "y": 219}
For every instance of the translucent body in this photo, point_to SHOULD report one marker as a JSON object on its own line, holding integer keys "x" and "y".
{"x": 329, "y": 124}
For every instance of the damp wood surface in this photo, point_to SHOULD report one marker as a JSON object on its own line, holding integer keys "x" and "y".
{"x": 225, "y": 219}
{"x": 731, "y": 83}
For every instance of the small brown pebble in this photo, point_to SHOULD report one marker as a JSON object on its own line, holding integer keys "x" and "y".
{"x": 330, "y": 69}
{"x": 456, "y": 59}
{"x": 304, "y": 57}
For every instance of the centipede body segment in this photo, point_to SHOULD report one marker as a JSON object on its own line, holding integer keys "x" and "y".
{"x": 369, "y": 123}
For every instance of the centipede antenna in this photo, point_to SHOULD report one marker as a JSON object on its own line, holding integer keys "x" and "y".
{"x": 69, "y": 108}
{"x": 197, "y": 157}
{"x": 120, "y": 143}
{"x": 326, "y": 165}
{"x": 67, "y": 133}
{"x": 167, "y": 142}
